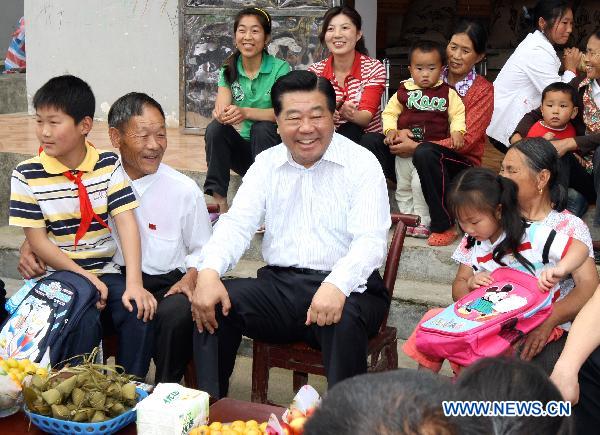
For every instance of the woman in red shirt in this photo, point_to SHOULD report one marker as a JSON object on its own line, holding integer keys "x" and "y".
{"x": 437, "y": 162}
{"x": 358, "y": 80}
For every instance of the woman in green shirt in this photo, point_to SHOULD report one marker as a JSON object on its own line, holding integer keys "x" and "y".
{"x": 244, "y": 97}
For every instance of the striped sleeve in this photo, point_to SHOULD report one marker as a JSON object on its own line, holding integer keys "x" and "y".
{"x": 24, "y": 208}
{"x": 120, "y": 194}
{"x": 374, "y": 85}
{"x": 317, "y": 67}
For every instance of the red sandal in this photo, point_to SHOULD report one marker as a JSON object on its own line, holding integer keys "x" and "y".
{"x": 442, "y": 239}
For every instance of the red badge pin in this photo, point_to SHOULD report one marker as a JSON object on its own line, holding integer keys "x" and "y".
{"x": 152, "y": 226}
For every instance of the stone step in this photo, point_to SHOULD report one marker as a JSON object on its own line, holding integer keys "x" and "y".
{"x": 418, "y": 261}
{"x": 13, "y": 93}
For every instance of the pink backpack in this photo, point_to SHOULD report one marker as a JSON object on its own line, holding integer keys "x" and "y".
{"x": 487, "y": 321}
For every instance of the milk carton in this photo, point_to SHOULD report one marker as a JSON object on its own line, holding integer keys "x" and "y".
{"x": 171, "y": 410}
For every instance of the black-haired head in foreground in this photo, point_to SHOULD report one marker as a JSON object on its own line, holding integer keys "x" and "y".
{"x": 69, "y": 94}
{"x": 510, "y": 379}
{"x": 396, "y": 402}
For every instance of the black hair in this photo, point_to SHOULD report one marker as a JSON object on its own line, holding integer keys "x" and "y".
{"x": 549, "y": 10}
{"x": 356, "y": 19}
{"x": 301, "y": 81}
{"x": 485, "y": 190}
{"x": 510, "y": 379}
{"x": 540, "y": 154}
{"x": 128, "y": 106}
{"x": 426, "y": 46}
{"x": 564, "y": 88}
{"x": 595, "y": 33}
{"x": 402, "y": 401}
{"x": 230, "y": 66}
{"x": 68, "y": 94}
{"x": 476, "y": 33}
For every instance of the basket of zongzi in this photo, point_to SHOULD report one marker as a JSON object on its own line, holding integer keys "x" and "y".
{"x": 88, "y": 398}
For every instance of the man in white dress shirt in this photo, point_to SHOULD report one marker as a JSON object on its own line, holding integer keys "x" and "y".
{"x": 324, "y": 202}
{"x": 173, "y": 223}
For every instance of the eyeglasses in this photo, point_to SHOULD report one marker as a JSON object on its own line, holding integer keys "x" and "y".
{"x": 592, "y": 53}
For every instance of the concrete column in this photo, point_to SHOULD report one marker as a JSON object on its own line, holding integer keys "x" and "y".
{"x": 368, "y": 11}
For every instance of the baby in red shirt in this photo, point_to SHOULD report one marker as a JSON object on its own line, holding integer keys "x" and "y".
{"x": 558, "y": 108}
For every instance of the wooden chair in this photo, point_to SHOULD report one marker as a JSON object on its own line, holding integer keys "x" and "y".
{"x": 302, "y": 359}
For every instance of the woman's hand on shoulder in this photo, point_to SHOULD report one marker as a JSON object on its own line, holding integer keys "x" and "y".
{"x": 516, "y": 137}
{"x": 563, "y": 146}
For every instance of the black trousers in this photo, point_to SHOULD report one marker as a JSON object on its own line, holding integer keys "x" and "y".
{"x": 352, "y": 131}
{"x": 437, "y": 166}
{"x": 498, "y": 145}
{"x": 134, "y": 335}
{"x": 226, "y": 150}
{"x": 572, "y": 174}
{"x": 173, "y": 326}
{"x": 374, "y": 143}
{"x": 272, "y": 308}
{"x": 3, "y": 313}
{"x": 587, "y": 411}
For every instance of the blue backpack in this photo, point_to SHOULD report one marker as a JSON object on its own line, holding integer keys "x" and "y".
{"x": 40, "y": 325}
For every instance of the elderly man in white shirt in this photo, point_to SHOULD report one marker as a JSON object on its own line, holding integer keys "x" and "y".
{"x": 173, "y": 223}
{"x": 324, "y": 202}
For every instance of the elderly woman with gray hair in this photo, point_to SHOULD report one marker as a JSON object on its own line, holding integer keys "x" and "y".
{"x": 532, "y": 164}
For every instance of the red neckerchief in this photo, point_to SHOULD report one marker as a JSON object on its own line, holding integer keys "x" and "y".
{"x": 85, "y": 206}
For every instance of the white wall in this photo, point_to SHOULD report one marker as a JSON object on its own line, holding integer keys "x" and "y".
{"x": 117, "y": 46}
{"x": 368, "y": 12}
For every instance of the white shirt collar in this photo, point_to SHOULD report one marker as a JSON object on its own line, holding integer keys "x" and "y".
{"x": 333, "y": 154}
{"x": 540, "y": 35}
{"x": 142, "y": 184}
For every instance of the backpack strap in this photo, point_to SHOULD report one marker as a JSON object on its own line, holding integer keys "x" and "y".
{"x": 547, "y": 246}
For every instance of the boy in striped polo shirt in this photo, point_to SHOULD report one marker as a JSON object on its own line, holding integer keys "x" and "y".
{"x": 62, "y": 199}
